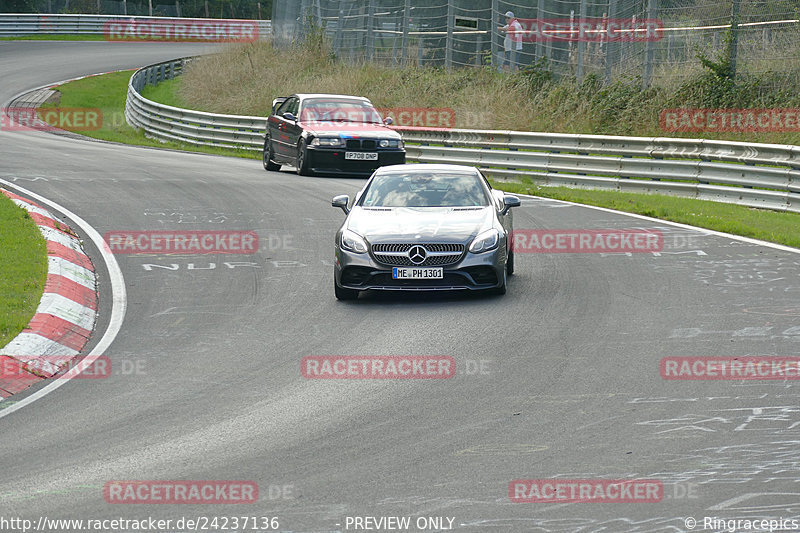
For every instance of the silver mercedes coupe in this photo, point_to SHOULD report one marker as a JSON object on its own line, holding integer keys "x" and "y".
{"x": 424, "y": 227}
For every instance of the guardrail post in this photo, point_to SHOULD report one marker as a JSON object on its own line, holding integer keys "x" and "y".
{"x": 581, "y": 43}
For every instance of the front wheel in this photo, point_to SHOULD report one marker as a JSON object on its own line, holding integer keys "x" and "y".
{"x": 267, "y": 157}
{"x": 510, "y": 262}
{"x": 302, "y": 159}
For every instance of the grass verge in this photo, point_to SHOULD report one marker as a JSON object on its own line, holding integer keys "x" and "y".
{"x": 23, "y": 262}
{"x": 107, "y": 93}
{"x": 781, "y": 228}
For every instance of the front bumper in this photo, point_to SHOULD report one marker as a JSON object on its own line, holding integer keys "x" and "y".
{"x": 472, "y": 272}
{"x": 326, "y": 160}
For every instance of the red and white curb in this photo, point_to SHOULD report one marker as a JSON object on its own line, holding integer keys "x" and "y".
{"x": 66, "y": 315}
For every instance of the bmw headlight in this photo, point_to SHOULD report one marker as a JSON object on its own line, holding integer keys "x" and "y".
{"x": 390, "y": 143}
{"x": 326, "y": 141}
{"x": 353, "y": 242}
{"x": 485, "y": 241}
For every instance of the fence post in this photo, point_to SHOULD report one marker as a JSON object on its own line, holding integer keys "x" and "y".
{"x": 669, "y": 46}
{"x": 406, "y": 23}
{"x": 420, "y": 48}
{"x": 649, "y": 48}
{"x": 370, "y": 26}
{"x": 539, "y": 39}
{"x": 303, "y": 31}
{"x": 581, "y": 43}
{"x": 494, "y": 32}
{"x": 339, "y": 28}
{"x": 612, "y": 46}
{"x": 478, "y": 46}
{"x": 732, "y": 52}
{"x": 448, "y": 50}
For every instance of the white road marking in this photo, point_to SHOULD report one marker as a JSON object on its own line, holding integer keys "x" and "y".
{"x": 118, "y": 305}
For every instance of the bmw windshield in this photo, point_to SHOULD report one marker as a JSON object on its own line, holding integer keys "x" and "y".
{"x": 402, "y": 189}
{"x": 339, "y": 110}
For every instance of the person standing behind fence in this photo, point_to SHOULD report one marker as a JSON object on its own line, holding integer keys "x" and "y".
{"x": 513, "y": 41}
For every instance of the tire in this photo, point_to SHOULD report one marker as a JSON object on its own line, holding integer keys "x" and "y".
{"x": 510, "y": 262}
{"x": 302, "y": 159}
{"x": 343, "y": 293}
{"x": 267, "y": 157}
{"x": 501, "y": 290}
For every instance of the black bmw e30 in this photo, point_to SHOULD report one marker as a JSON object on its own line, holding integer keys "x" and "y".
{"x": 329, "y": 134}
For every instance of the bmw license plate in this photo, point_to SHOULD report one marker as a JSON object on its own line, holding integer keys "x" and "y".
{"x": 417, "y": 273}
{"x": 361, "y": 156}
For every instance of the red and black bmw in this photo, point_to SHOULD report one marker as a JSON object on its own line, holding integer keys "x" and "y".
{"x": 330, "y": 134}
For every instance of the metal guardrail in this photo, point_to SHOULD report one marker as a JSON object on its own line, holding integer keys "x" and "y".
{"x": 18, "y": 24}
{"x": 756, "y": 175}
{"x": 185, "y": 125}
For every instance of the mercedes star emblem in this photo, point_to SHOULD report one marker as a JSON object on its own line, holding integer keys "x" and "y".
{"x": 417, "y": 255}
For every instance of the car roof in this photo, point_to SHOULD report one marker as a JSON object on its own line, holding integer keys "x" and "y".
{"x": 427, "y": 167}
{"x": 306, "y": 96}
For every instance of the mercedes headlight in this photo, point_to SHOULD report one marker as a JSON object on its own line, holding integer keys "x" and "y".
{"x": 484, "y": 242}
{"x": 353, "y": 242}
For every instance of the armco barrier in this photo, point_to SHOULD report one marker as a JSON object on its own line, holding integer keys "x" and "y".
{"x": 756, "y": 175}
{"x": 18, "y": 24}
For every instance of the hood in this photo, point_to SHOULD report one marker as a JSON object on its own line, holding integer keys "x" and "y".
{"x": 420, "y": 224}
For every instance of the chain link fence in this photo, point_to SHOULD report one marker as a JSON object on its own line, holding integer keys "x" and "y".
{"x": 657, "y": 40}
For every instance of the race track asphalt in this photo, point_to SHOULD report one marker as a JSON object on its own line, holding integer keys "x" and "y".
{"x": 557, "y": 379}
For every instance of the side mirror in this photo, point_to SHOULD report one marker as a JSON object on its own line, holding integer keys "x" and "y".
{"x": 341, "y": 201}
{"x": 388, "y": 121}
{"x": 289, "y": 116}
{"x": 509, "y": 202}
